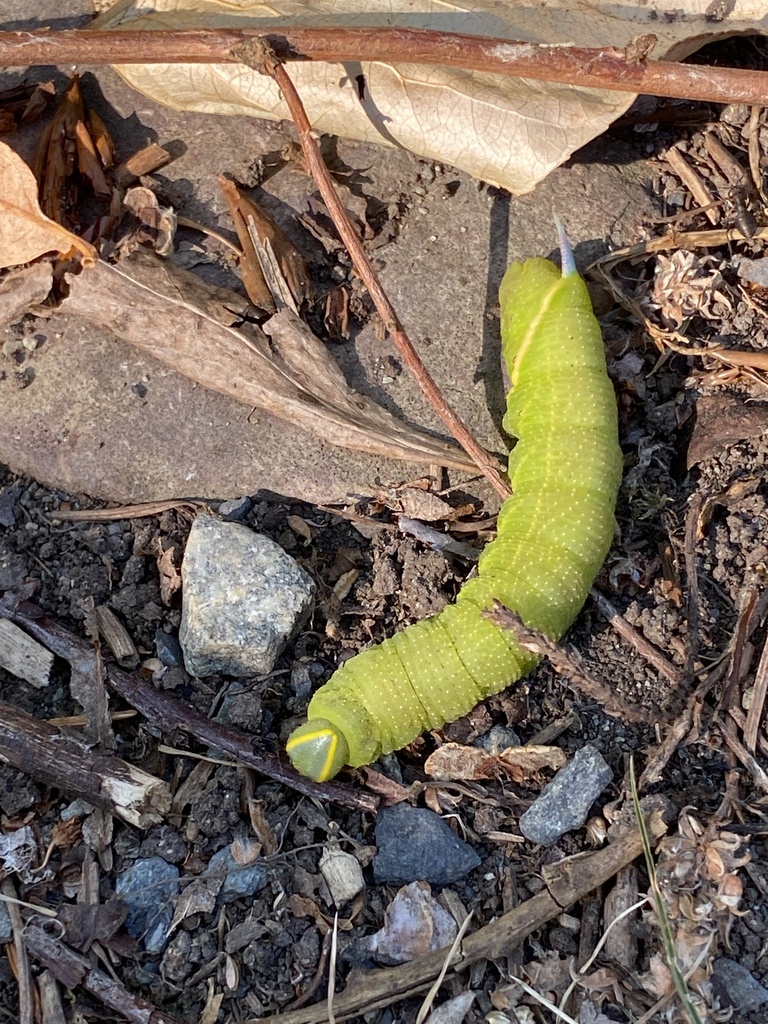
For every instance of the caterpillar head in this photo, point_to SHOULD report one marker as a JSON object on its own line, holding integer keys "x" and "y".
{"x": 317, "y": 749}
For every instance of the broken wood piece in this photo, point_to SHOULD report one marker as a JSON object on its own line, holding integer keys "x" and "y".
{"x": 149, "y": 315}
{"x": 24, "y": 657}
{"x": 74, "y": 970}
{"x": 50, "y": 756}
{"x": 694, "y": 183}
{"x": 150, "y": 158}
{"x": 567, "y": 881}
{"x": 22, "y": 289}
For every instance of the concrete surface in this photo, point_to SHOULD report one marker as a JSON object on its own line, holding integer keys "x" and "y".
{"x": 84, "y": 425}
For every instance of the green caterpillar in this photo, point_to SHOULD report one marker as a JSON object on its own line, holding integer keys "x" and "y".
{"x": 553, "y": 536}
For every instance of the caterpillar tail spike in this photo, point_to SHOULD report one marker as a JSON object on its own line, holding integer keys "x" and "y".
{"x": 553, "y": 534}
{"x": 317, "y": 749}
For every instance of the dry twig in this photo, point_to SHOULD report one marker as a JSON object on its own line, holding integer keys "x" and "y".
{"x": 261, "y": 57}
{"x": 169, "y": 714}
{"x": 568, "y": 662}
{"x": 597, "y": 67}
{"x": 637, "y": 640}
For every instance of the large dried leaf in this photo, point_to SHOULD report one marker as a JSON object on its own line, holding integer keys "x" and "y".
{"x": 507, "y": 131}
{"x": 25, "y": 231}
{"x": 147, "y": 302}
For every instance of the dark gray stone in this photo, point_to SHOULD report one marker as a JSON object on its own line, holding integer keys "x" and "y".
{"x": 243, "y": 599}
{"x": 239, "y": 879}
{"x": 235, "y": 510}
{"x": 736, "y": 987}
{"x": 565, "y": 802}
{"x": 415, "y": 845}
{"x": 168, "y": 649}
{"x": 6, "y": 928}
{"x": 148, "y": 888}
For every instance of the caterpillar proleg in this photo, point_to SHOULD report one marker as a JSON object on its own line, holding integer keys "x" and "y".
{"x": 553, "y": 535}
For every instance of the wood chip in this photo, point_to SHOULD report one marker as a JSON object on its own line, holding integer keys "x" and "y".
{"x": 24, "y": 657}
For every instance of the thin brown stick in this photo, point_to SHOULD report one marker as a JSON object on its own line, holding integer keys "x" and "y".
{"x": 597, "y": 67}
{"x": 568, "y": 662}
{"x": 23, "y": 973}
{"x": 74, "y": 970}
{"x": 693, "y": 609}
{"x": 170, "y": 714}
{"x": 261, "y": 58}
{"x": 638, "y": 641}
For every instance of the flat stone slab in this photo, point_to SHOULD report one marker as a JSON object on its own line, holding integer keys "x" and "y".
{"x": 98, "y": 417}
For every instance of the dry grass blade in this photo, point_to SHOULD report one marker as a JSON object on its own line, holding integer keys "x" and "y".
{"x": 429, "y": 998}
{"x": 332, "y": 968}
{"x": 757, "y": 703}
{"x": 660, "y": 907}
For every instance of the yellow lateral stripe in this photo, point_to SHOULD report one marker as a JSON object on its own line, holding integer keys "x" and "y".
{"x": 328, "y": 766}
{"x": 291, "y": 743}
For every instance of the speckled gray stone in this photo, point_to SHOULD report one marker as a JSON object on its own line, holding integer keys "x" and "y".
{"x": 736, "y": 987}
{"x": 148, "y": 888}
{"x": 243, "y": 599}
{"x": 565, "y": 802}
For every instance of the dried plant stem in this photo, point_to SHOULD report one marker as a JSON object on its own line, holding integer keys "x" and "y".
{"x": 597, "y": 67}
{"x": 259, "y": 57}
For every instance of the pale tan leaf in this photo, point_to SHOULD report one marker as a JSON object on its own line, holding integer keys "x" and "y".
{"x": 510, "y": 132}
{"x": 25, "y": 231}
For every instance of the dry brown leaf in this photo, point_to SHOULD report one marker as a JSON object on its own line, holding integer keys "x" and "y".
{"x": 25, "y": 231}
{"x": 295, "y": 379}
{"x": 455, "y": 761}
{"x": 301, "y": 527}
{"x": 510, "y": 132}
{"x": 170, "y": 572}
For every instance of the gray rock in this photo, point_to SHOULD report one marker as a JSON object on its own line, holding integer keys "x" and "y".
{"x": 168, "y": 649}
{"x": 243, "y": 599}
{"x": 415, "y": 845}
{"x": 498, "y": 738}
{"x": 240, "y": 879}
{"x": 235, "y": 510}
{"x": 565, "y": 802}
{"x": 6, "y": 928}
{"x": 736, "y": 987}
{"x": 148, "y": 888}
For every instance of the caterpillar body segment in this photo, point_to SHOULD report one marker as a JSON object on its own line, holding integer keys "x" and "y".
{"x": 553, "y": 536}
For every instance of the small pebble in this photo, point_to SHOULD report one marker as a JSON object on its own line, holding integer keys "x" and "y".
{"x": 168, "y": 649}
{"x": 236, "y": 509}
{"x": 240, "y": 879}
{"x": 736, "y": 987}
{"x": 148, "y": 888}
{"x": 6, "y": 928}
{"x": 565, "y": 802}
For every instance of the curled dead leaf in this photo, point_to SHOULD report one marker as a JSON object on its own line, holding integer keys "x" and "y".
{"x": 456, "y": 761}
{"x": 25, "y": 231}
